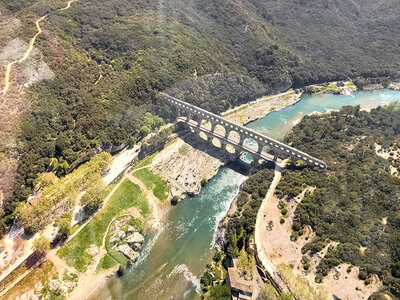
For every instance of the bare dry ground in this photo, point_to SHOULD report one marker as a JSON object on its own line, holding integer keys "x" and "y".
{"x": 392, "y": 154}
{"x": 261, "y": 107}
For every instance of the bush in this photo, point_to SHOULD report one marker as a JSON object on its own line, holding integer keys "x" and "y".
{"x": 217, "y": 256}
{"x": 175, "y": 200}
{"x": 204, "y": 181}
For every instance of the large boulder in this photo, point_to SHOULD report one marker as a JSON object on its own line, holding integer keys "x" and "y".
{"x": 134, "y": 238}
{"x": 128, "y": 252}
{"x": 137, "y": 246}
{"x": 114, "y": 239}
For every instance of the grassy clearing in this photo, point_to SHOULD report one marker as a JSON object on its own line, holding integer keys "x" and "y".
{"x": 106, "y": 263}
{"x": 126, "y": 196}
{"x": 146, "y": 161}
{"x": 10, "y": 278}
{"x": 152, "y": 181}
{"x": 41, "y": 274}
{"x": 159, "y": 186}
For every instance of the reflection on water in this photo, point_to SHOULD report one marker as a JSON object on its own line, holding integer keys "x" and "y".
{"x": 173, "y": 260}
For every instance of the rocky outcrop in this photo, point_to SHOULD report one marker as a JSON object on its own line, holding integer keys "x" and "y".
{"x": 128, "y": 252}
{"x": 134, "y": 238}
{"x": 126, "y": 238}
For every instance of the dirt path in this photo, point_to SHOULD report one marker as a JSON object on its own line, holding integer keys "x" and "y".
{"x": 24, "y": 57}
{"x": 27, "y": 52}
{"x": 267, "y": 264}
{"x": 156, "y": 214}
{"x": 68, "y": 5}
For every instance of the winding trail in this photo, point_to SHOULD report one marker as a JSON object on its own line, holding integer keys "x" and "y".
{"x": 27, "y": 52}
{"x": 68, "y": 5}
{"x": 26, "y": 55}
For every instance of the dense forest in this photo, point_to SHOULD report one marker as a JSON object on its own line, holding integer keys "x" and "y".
{"x": 111, "y": 60}
{"x": 357, "y": 201}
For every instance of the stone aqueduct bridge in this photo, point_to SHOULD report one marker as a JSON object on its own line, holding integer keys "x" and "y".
{"x": 195, "y": 117}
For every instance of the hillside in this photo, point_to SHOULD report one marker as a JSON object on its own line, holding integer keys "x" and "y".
{"x": 110, "y": 60}
{"x": 356, "y": 203}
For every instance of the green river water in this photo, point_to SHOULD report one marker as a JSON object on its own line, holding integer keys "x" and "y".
{"x": 173, "y": 260}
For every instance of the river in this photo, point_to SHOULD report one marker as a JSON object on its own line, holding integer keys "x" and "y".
{"x": 173, "y": 260}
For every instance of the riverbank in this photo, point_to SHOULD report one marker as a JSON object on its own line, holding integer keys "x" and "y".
{"x": 259, "y": 108}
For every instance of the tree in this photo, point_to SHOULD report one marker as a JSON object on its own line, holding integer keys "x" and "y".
{"x": 132, "y": 142}
{"x": 64, "y": 224}
{"x": 245, "y": 265}
{"x": 144, "y": 130}
{"x": 41, "y": 244}
{"x": 45, "y": 180}
{"x": 94, "y": 194}
{"x": 268, "y": 292}
{"x": 219, "y": 292}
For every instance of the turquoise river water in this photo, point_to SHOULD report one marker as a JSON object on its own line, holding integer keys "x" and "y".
{"x": 174, "y": 259}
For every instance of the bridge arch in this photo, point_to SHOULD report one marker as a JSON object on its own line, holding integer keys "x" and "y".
{"x": 219, "y": 129}
{"x": 234, "y": 136}
{"x": 251, "y": 143}
{"x": 217, "y": 143}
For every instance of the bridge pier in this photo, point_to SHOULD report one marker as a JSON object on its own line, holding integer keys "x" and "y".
{"x": 260, "y": 148}
{"x": 227, "y": 132}
{"x": 242, "y": 138}
{"x": 213, "y": 126}
{"x": 223, "y": 145}
{"x": 255, "y": 162}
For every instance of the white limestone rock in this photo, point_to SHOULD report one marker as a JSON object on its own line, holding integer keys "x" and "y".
{"x": 128, "y": 252}
{"x": 134, "y": 238}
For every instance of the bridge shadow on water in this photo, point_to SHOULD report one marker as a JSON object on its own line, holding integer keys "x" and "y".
{"x": 239, "y": 163}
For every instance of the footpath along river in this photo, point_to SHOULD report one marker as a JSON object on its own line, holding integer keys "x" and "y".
{"x": 172, "y": 262}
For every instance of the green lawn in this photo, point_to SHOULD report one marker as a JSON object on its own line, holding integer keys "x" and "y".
{"x": 153, "y": 182}
{"x": 106, "y": 262}
{"x": 126, "y": 196}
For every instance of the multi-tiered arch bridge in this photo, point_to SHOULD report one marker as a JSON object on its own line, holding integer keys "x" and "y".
{"x": 237, "y": 136}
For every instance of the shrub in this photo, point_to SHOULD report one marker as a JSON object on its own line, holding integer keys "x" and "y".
{"x": 175, "y": 200}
